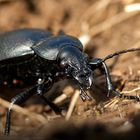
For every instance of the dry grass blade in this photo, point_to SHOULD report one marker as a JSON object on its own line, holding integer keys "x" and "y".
{"x": 112, "y": 102}
{"x": 93, "y": 9}
{"x": 18, "y": 109}
{"x": 111, "y": 22}
{"x": 130, "y": 91}
{"x": 132, "y": 7}
{"x": 60, "y": 98}
{"x": 67, "y": 92}
{"x": 72, "y": 104}
{"x": 99, "y": 28}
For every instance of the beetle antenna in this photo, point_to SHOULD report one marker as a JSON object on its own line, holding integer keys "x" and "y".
{"x": 120, "y": 52}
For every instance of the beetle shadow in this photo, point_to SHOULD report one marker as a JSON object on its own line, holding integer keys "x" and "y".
{"x": 67, "y": 86}
{"x": 99, "y": 88}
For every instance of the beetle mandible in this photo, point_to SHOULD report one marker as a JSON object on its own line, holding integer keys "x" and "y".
{"x": 38, "y": 54}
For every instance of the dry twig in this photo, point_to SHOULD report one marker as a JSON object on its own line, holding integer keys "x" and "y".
{"x": 111, "y": 22}
{"x": 72, "y": 104}
{"x": 18, "y": 109}
{"x": 130, "y": 91}
{"x": 132, "y": 7}
{"x": 95, "y": 8}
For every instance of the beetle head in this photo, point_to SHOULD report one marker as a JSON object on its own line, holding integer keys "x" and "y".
{"x": 75, "y": 64}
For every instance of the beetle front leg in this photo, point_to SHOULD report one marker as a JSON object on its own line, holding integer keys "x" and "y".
{"x": 110, "y": 86}
{"x": 97, "y": 63}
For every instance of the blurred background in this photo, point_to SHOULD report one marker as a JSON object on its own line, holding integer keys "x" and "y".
{"x": 103, "y": 26}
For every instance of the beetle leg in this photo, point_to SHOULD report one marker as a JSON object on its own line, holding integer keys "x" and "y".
{"x": 40, "y": 86}
{"x": 109, "y": 83}
{"x": 18, "y": 99}
{"x": 41, "y": 90}
{"x": 97, "y": 63}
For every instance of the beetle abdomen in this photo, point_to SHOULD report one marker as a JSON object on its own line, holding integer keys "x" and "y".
{"x": 18, "y": 43}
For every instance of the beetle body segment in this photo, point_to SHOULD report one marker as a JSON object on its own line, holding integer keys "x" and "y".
{"x": 16, "y": 44}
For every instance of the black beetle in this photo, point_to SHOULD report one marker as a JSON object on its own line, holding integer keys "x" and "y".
{"x": 37, "y": 54}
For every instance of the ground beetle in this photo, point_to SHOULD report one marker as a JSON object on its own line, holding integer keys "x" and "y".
{"x": 40, "y": 55}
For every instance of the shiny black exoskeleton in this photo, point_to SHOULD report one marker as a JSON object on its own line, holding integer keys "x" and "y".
{"x": 37, "y": 54}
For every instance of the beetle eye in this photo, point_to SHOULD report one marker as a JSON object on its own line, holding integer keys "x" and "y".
{"x": 63, "y": 64}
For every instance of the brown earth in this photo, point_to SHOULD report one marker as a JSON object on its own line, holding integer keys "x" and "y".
{"x": 110, "y": 29}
